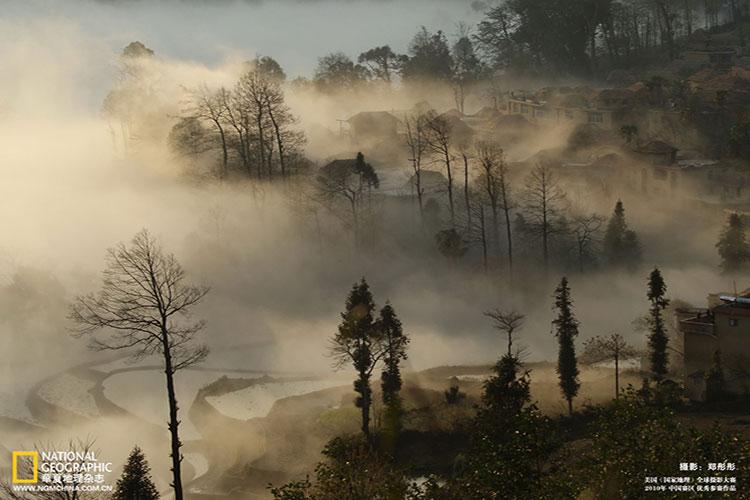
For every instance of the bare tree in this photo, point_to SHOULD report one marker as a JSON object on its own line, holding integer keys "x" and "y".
{"x": 493, "y": 180}
{"x": 507, "y": 322}
{"x": 287, "y": 140}
{"x": 476, "y": 225}
{"x": 543, "y": 200}
{"x": 350, "y": 182}
{"x": 586, "y": 229}
{"x": 614, "y": 347}
{"x": 144, "y": 305}
{"x": 439, "y": 143}
{"x": 209, "y": 106}
{"x": 252, "y": 92}
{"x": 416, "y": 141}
{"x": 69, "y": 490}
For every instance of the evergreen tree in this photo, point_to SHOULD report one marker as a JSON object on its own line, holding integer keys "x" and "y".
{"x": 135, "y": 482}
{"x": 359, "y": 342}
{"x": 733, "y": 247}
{"x": 657, "y": 340}
{"x": 507, "y": 392}
{"x": 566, "y": 330}
{"x": 715, "y": 382}
{"x": 394, "y": 349}
{"x": 621, "y": 246}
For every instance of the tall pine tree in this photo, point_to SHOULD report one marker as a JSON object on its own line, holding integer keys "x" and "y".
{"x": 394, "y": 351}
{"x": 135, "y": 482}
{"x": 358, "y": 341}
{"x": 621, "y": 246}
{"x": 657, "y": 339}
{"x": 566, "y": 330}
{"x": 733, "y": 247}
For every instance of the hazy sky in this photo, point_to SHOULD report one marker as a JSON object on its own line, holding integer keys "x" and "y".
{"x": 295, "y": 32}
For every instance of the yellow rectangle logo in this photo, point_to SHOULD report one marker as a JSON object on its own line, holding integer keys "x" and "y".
{"x": 35, "y": 459}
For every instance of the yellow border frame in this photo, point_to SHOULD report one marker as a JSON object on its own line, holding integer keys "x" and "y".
{"x": 35, "y": 456}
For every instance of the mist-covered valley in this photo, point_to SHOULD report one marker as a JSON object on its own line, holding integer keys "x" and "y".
{"x": 280, "y": 170}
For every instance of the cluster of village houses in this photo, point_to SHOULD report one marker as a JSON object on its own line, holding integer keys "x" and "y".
{"x": 633, "y": 133}
{"x": 625, "y": 135}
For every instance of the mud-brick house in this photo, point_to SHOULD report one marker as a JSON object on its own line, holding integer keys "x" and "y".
{"x": 724, "y": 326}
{"x": 370, "y": 125}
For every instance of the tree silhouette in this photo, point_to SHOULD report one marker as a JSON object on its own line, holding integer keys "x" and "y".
{"x": 507, "y": 322}
{"x": 732, "y": 245}
{"x": 144, "y": 304}
{"x": 394, "y": 351}
{"x": 566, "y": 330}
{"x": 613, "y": 347}
{"x": 359, "y": 341}
{"x": 135, "y": 482}
{"x": 621, "y": 246}
{"x": 657, "y": 340}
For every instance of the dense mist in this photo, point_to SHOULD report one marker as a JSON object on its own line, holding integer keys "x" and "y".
{"x": 278, "y": 268}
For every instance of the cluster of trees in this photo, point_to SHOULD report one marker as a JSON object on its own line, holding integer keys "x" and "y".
{"x": 581, "y": 37}
{"x": 490, "y": 209}
{"x": 249, "y": 126}
{"x": 565, "y": 37}
{"x": 515, "y": 451}
{"x": 367, "y": 341}
{"x": 430, "y": 58}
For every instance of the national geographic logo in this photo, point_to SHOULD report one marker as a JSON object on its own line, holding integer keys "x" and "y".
{"x": 31, "y": 459}
{"x": 59, "y": 471}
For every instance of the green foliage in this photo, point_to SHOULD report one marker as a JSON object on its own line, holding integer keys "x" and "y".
{"x": 543, "y": 35}
{"x": 135, "y": 482}
{"x": 633, "y": 439}
{"x": 430, "y": 57}
{"x": 507, "y": 391}
{"x": 357, "y": 342}
{"x": 337, "y": 72}
{"x": 269, "y": 68}
{"x": 137, "y": 49}
{"x": 657, "y": 340}
{"x": 382, "y": 62}
{"x": 394, "y": 349}
{"x": 566, "y": 330}
{"x": 733, "y": 247}
{"x": 453, "y": 395}
{"x": 352, "y": 470}
{"x": 621, "y": 246}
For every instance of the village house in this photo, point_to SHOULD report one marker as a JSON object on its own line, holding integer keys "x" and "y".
{"x": 542, "y": 112}
{"x": 710, "y": 55}
{"x": 723, "y": 326}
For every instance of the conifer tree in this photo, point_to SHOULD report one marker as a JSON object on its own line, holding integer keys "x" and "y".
{"x": 566, "y": 330}
{"x": 732, "y": 245}
{"x": 135, "y": 482}
{"x": 507, "y": 391}
{"x": 657, "y": 340}
{"x": 621, "y": 246}
{"x": 359, "y": 342}
{"x": 394, "y": 351}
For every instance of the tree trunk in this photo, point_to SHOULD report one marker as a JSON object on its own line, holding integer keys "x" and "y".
{"x": 450, "y": 187}
{"x": 570, "y": 406}
{"x": 225, "y": 156}
{"x": 466, "y": 189}
{"x": 279, "y": 143}
{"x": 510, "y": 240}
{"x": 617, "y": 377}
{"x": 173, "y": 422}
